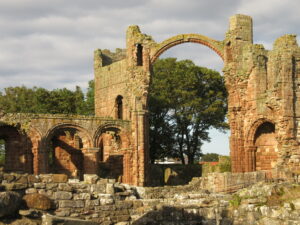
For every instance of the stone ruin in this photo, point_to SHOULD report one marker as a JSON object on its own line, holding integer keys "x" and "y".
{"x": 263, "y": 111}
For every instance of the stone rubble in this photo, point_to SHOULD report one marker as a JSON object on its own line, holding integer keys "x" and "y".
{"x": 105, "y": 201}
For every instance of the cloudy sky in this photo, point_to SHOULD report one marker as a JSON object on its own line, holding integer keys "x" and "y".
{"x": 50, "y": 43}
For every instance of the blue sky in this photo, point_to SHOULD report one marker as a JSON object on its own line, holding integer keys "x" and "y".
{"x": 51, "y": 43}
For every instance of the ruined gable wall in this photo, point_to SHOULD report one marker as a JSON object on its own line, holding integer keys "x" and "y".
{"x": 110, "y": 82}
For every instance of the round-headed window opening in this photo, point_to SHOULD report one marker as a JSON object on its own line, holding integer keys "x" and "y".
{"x": 119, "y": 107}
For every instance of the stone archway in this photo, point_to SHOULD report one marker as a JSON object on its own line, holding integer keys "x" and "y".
{"x": 113, "y": 144}
{"x": 216, "y": 46}
{"x": 261, "y": 150}
{"x": 17, "y": 156}
{"x": 266, "y": 152}
{"x": 67, "y": 151}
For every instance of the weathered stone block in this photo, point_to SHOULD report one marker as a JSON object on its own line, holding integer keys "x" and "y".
{"x": 82, "y": 196}
{"x": 92, "y": 203}
{"x": 63, "y": 195}
{"x": 98, "y": 188}
{"x": 15, "y": 186}
{"x": 65, "y": 187}
{"x": 51, "y": 186}
{"x": 71, "y": 204}
{"x": 110, "y": 189}
{"x": 33, "y": 179}
{"x": 30, "y": 191}
{"x": 90, "y": 178}
{"x": 10, "y": 202}
{"x": 39, "y": 185}
{"x": 46, "y": 178}
{"x": 59, "y": 178}
{"x": 37, "y": 201}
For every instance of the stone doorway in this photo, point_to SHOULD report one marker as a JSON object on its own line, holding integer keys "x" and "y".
{"x": 266, "y": 153}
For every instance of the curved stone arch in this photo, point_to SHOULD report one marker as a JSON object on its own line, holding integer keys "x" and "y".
{"x": 216, "y": 46}
{"x": 68, "y": 159}
{"x": 51, "y": 131}
{"x": 250, "y": 150}
{"x": 103, "y": 127}
{"x": 253, "y": 128}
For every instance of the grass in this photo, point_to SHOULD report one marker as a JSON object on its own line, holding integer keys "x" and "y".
{"x": 235, "y": 201}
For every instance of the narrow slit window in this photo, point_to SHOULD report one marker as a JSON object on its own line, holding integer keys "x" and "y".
{"x": 139, "y": 55}
{"x": 119, "y": 106}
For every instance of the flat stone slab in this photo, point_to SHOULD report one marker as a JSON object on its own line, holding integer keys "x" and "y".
{"x": 53, "y": 220}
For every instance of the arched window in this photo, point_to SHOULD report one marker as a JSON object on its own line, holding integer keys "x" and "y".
{"x": 119, "y": 107}
{"x": 139, "y": 55}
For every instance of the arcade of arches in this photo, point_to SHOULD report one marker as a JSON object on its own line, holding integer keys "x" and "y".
{"x": 263, "y": 110}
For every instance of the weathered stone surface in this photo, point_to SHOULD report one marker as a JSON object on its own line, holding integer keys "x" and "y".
{"x": 110, "y": 189}
{"x": 37, "y": 201}
{"x": 71, "y": 204}
{"x": 9, "y": 203}
{"x": 32, "y": 213}
{"x": 24, "y": 221}
{"x": 63, "y": 195}
{"x": 39, "y": 185}
{"x": 51, "y": 220}
{"x": 82, "y": 196}
{"x": 65, "y": 187}
{"x": 98, "y": 188}
{"x": 30, "y": 191}
{"x": 15, "y": 186}
{"x": 60, "y": 178}
{"x": 90, "y": 178}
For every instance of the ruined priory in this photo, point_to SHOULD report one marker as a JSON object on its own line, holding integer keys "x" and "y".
{"x": 263, "y": 111}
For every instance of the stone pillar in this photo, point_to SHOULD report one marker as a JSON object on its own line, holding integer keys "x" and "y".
{"x": 106, "y": 146}
{"x": 127, "y": 167}
{"x": 141, "y": 149}
{"x": 250, "y": 164}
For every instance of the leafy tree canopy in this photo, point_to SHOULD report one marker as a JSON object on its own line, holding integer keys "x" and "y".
{"x": 40, "y": 100}
{"x": 185, "y": 101}
{"x": 210, "y": 157}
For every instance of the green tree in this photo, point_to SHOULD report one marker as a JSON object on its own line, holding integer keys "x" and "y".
{"x": 39, "y": 100}
{"x": 210, "y": 157}
{"x": 17, "y": 99}
{"x": 90, "y": 99}
{"x": 185, "y": 101}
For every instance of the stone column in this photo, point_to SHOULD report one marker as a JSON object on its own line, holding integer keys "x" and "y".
{"x": 250, "y": 158}
{"x": 141, "y": 149}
